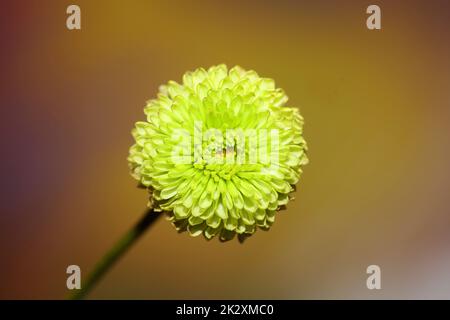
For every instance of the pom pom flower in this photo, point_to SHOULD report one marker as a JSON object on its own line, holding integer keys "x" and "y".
{"x": 220, "y": 153}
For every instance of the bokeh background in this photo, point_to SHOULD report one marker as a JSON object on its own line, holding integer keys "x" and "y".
{"x": 376, "y": 106}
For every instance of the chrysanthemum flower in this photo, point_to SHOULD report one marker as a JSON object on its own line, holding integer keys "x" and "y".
{"x": 220, "y": 153}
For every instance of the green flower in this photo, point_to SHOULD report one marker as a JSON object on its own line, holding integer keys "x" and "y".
{"x": 220, "y": 153}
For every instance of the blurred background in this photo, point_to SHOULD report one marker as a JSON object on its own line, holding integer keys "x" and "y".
{"x": 376, "y": 109}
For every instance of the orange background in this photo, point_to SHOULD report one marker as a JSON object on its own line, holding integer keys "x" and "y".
{"x": 376, "y": 109}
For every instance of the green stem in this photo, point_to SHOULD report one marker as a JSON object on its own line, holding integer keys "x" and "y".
{"x": 116, "y": 252}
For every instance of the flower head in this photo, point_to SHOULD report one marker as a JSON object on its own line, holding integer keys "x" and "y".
{"x": 220, "y": 153}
